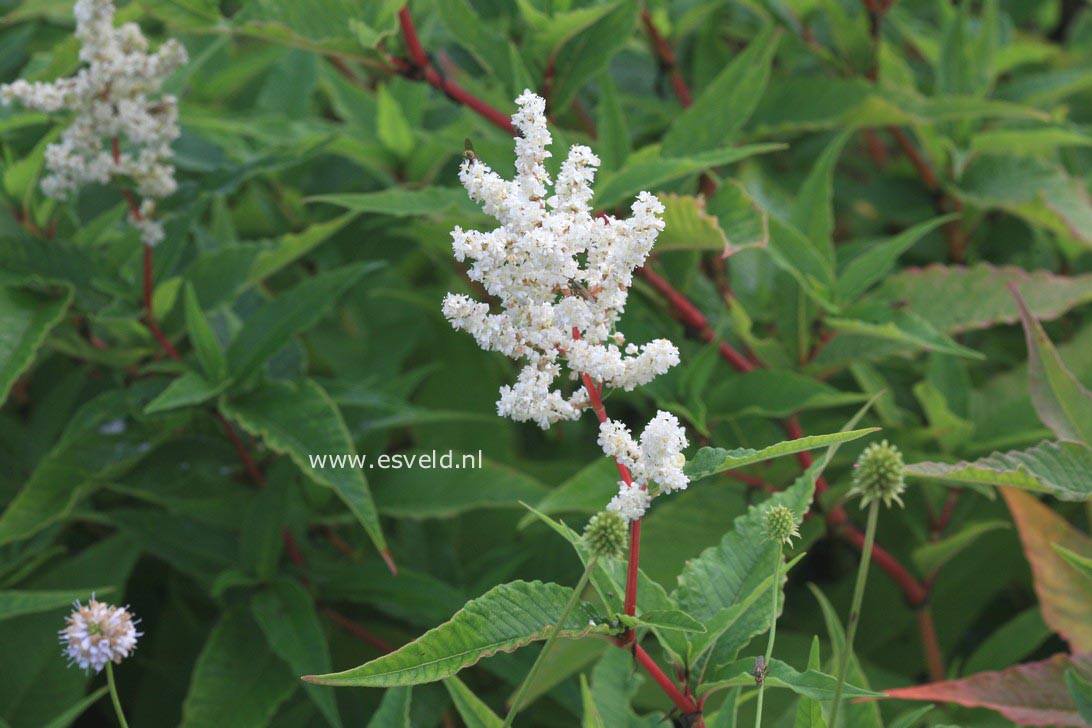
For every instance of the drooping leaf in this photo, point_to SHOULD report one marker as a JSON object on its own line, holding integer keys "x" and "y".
{"x": 1031, "y": 694}
{"x": 774, "y": 394}
{"x": 69, "y": 716}
{"x": 505, "y": 618}
{"x": 710, "y": 460}
{"x": 237, "y": 679}
{"x": 394, "y": 709}
{"x": 474, "y": 712}
{"x": 302, "y": 421}
{"x": 286, "y": 615}
{"x": 1064, "y": 594}
{"x": 188, "y": 390}
{"x": 879, "y": 259}
{"x": 25, "y": 319}
{"x": 1058, "y": 468}
{"x": 1063, "y": 403}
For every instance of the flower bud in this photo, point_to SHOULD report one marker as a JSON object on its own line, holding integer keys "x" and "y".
{"x": 780, "y": 523}
{"x": 878, "y": 474}
{"x": 606, "y": 534}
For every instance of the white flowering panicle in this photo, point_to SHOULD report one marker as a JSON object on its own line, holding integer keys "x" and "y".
{"x": 113, "y": 97}
{"x": 561, "y": 277}
{"x": 99, "y": 633}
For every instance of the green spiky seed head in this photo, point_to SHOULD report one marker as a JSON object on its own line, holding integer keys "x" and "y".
{"x": 878, "y": 474}
{"x": 780, "y": 525}
{"x": 606, "y": 534}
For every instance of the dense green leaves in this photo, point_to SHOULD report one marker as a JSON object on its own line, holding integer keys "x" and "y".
{"x": 302, "y": 422}
{"x": 501, "y": 620}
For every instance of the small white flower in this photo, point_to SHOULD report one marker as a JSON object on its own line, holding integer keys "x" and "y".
{"x": 562, "y": 276}
{"x": 113, "y": 98}
{"x": 631, "y": 502}
{"x": 555, "y": 269}
{"x": 99, "y": 633}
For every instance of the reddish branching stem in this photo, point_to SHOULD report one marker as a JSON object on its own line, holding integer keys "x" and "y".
{"x": 682, "y": 701}
{"x": 420, "y": 67}
{"x": 670, "y": 64}
{"x": 356, "y": 630}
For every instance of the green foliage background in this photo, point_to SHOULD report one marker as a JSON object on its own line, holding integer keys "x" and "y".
{"x": 307, "y": 252}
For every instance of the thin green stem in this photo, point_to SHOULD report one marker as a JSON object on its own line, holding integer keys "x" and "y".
{"x": 114, "y": 694}
{"x": 773, "y": 631}
{"x": 518, "y": 699}
{"x": 855, "y": 609}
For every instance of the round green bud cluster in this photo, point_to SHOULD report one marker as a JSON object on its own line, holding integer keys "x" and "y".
{"x": 780, "y": 525}
{"x": 606, "y": 534}
{"x": 878, "y": 474}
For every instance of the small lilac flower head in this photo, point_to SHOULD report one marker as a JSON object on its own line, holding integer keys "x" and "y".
{"x": 99, "y": 633}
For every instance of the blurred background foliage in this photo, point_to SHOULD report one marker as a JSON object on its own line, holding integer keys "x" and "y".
{"x": 917, "y": 156}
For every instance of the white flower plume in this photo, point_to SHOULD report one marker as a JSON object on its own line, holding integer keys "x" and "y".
{"x": 561, "y": 277}
{"x": 114, "y": 96}
{"x": 98, "y": 633}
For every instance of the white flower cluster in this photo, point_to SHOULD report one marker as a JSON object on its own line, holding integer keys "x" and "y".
{"x": 111, "y": 98}
{"x": 99, "y": 633}
{"x": 657, "y": 458}
{"x": 561, "y": 277}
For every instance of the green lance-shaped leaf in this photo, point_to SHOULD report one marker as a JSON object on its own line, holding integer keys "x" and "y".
{"x": 1063, "y": 403}
{"x": 300, "y": 420}
{"x": 205, "y": 345}
{"x": 394, "y": 709}
{"x": 726, "y": 103}
{"x": 270, "y": 327}
{"x": 286, "y": 615}
{"x": 474, "y": 712}
{"x": 1058, "y": 468}
{"x": 25, "y": 319}
{"x": 14, "y": 602}
{"x": 811, "y": 683}
{"x": 505, "y": 618}
{"x": 710, "y": 460}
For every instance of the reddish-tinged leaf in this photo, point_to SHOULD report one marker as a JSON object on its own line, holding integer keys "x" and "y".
{"x": 1030, "y": 694}
{"x": 1065, "y": 596}
{"x": 1063, "y": 404}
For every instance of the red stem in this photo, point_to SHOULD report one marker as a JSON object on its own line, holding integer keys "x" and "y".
{"x": 419, "y": 66}
{"x": 667, "y": 58}
{"x": 633, "y": 565}
{"x": 355, "y": 629}
{"x": 683, "y": 702}
{"x": 934, "y": 661}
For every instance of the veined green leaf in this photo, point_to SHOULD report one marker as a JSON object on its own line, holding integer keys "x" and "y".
{"x": 710, "y": 460}
{"x": 25, "y": 319}
{"x": 1058, "y": 468}
{"x": 505, "y": 618}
